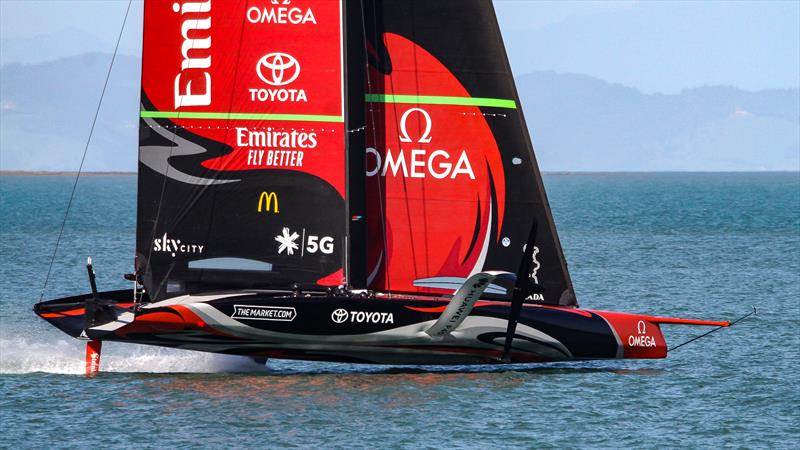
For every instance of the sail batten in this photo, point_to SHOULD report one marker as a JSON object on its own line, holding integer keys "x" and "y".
{"x": 441, "y": 100}
{"x": 240, "y": 116}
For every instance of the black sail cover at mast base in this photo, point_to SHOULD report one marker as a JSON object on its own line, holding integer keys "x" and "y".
{"x": 251, "y": 125}
{"x": 453, "y": 186}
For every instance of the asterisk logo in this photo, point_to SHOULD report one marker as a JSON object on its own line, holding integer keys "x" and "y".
{"x": 287, "y": 241}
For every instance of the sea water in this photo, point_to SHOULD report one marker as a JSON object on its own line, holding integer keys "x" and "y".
{"x": 693, "y": 245}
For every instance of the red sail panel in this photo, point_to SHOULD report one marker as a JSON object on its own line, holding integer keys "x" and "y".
{"x": 242, "y": 145}
{"x": 263, "y": 77}
{"x": 435, "y": 174}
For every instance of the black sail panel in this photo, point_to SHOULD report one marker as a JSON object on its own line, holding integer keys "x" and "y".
{"x": 241, "y": 159}
{"x": 453, "y": 186}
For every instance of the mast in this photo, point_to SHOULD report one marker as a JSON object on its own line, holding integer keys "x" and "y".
{"x": 355, "y": 143}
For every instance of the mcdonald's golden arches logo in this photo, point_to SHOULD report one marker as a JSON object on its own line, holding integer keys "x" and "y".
{"x": 265, "y": 202}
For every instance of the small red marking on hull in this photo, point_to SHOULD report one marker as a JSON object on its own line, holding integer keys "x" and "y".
{"x": 93, "y": 357}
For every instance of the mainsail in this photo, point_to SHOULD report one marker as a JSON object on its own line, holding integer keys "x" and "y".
{"x": 242, "y": 155}
{"x": 453, "y": 185}
{"x": 375, "y": 144}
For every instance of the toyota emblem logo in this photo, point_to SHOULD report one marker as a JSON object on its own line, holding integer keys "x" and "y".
{"x": 339, "y": 316}
{"x": 278, "y": 69}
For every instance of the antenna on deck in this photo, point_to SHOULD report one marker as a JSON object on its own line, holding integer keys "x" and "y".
{"x": 91, "y": 303}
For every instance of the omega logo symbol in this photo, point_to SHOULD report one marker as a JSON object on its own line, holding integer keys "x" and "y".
{"x": 642, "y": 339}
{"x": 339, "y": 315}
{"x": 426, "y": 135}
{"x": 278, "y": 69}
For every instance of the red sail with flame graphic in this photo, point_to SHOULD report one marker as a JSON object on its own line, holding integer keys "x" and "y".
{"x": 435, "y": 175}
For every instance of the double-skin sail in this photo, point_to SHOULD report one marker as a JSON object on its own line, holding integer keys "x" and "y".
{"x": 252, "y": 112}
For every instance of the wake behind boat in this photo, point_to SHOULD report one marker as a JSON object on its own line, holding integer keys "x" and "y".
{"x": 343, "y": 181}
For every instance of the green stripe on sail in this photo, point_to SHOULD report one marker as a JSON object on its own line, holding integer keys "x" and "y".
{"x": 442, "y": 100}
{"x": 238, "y": 116}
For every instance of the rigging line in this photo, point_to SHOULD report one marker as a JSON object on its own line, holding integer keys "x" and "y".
{"x": 374, "y": 128}
{"x": 85, "y": 150}
{"x": 754, "y": 311}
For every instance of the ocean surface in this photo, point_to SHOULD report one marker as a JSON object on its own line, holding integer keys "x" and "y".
{"x": 696, "y": 245}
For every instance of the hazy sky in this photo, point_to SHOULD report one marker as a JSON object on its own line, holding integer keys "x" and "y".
{"x": 652, "y": 46}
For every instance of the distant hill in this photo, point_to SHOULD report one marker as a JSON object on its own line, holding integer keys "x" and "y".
{"x": 577, "y": 122}
{"x": 47, "y": 111}
{"x": 74, "y": 38}
{"x": 582, "y": 123}
{"x": 50, "y": 46}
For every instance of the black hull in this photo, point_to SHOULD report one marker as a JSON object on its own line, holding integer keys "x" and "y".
{"x": 345, "y": 328}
